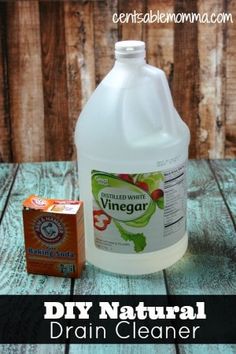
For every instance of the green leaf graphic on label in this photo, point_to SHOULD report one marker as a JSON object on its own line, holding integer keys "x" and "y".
{"x": 160, "y": 203}
{"x": 144, "y": 220}
{"x": 139, "y": 239}
{"x": 151, "y": 179}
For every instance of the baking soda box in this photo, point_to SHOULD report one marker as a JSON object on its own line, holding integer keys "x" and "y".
{"x": 54, "y": 236}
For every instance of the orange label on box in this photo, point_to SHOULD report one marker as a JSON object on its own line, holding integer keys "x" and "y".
{"x": 54, "y": 236}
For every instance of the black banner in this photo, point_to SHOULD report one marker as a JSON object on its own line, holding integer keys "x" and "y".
{"x": 118, "y": 319}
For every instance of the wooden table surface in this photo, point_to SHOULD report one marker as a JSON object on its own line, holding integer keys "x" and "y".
{"x": 208, "y": 267}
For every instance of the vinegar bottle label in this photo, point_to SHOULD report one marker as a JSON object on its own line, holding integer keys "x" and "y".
{"x": 141, "y": 212}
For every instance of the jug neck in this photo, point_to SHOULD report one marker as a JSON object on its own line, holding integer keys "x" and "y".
{"x": 130, "y": 62}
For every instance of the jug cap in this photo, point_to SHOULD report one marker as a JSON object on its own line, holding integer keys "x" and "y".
{"x": 129, "y": 49}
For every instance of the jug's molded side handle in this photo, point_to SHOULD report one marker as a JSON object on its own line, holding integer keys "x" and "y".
{"x": 169, "y": 125}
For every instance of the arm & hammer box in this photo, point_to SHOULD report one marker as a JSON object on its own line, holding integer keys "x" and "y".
{"x": 54, "y": 236}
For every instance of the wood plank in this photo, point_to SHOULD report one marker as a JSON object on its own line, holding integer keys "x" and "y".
{"x": 225, "y": 173}
{"x": 160, "y": 39}
{"x": 133, "y": 31}
{"x": 97, "y": 282}
{"x": 230, "y": 85}
{"x": 7, "y": 175}
{"x": 186, "y": 63}
{"x": 122, "y": 349}
{"x": 211, "y": 49}
{"x": 57, "y": 143}
{"x": 79, "y": 32}
{"x": 25, "y": 81}
{"x": 208, "y": 349}
{"x": 32, "y": 348}
{"x": 209, "y": 265}
{"x": 5, "y": 125}
{"x": 80, "y": 60}
{"x": 105, "y": 36}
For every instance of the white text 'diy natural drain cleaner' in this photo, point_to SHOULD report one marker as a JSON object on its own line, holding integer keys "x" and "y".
{"x": 132, "y": 154}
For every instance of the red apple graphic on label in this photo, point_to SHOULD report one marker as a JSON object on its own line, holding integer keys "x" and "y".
{"x": 126, "y": 177}
{"x": 142, "y": 185}
{"x": 157, "y": 194}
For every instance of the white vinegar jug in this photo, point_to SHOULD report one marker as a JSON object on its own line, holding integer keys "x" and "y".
{"x": 132, "y": 154}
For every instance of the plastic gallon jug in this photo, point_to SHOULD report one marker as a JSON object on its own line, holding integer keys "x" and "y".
{"x": 132, "y": 153}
